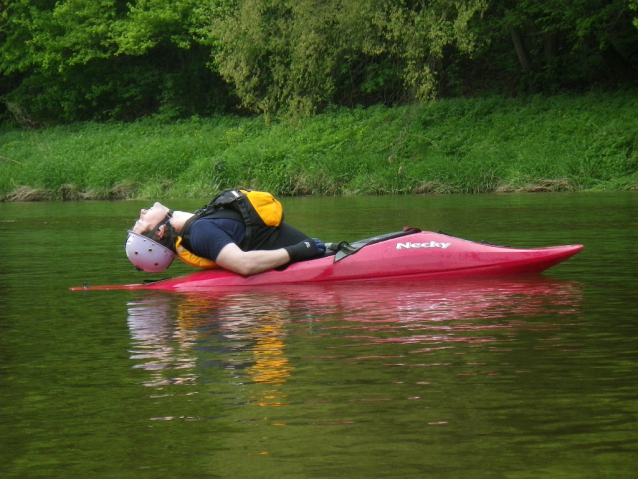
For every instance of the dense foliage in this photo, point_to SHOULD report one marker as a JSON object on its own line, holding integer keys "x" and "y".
{"x": 75, "y": 60}
{"x": 477, "y": 145}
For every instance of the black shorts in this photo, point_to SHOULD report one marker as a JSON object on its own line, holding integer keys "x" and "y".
{"x": 287, "y": 236}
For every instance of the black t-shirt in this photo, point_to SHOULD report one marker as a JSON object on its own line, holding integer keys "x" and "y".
{"x": 208, "y": 236}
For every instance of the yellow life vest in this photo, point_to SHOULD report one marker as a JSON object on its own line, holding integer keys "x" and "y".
{"x": 260, "y": 211}
{"x": 262, "y": 208}
{"x": 192, "y": 259}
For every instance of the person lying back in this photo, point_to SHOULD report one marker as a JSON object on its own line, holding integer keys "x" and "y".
{"x": 218, "y": 237}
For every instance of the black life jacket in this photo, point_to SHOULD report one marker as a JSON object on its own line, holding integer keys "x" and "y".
{"x": 260, "y": 212}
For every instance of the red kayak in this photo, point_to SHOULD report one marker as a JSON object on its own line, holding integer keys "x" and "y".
{"x": 405, "y": 255}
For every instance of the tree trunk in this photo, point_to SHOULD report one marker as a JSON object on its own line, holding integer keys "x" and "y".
{"x": 619, "y": 68}
{"x": 550, "y": 45}
{"x": 521, "y": 51}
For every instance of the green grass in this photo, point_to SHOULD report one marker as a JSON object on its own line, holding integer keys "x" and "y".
{"x": 476, "y": 145}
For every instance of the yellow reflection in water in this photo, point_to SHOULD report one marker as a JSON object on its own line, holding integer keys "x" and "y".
{"x": 165, "y": 328}
{"x": 271, "y": 366}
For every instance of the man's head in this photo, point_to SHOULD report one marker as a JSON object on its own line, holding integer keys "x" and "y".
{"x": 150, "y": 245}
{"x": 151, "y": 218}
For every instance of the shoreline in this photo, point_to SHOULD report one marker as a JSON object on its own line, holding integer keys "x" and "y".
{"x": 28, "y": 195}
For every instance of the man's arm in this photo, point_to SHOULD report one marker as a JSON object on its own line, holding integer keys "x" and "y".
{"x": 232, "y": 258}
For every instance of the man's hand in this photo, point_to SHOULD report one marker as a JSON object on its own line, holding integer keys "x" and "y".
{"x": 307, "y": 249}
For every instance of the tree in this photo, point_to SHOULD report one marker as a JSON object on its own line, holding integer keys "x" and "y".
{"x": 73, "y": 60}
{"x": 293, "y": 57}
{"x": 562, "y": 43}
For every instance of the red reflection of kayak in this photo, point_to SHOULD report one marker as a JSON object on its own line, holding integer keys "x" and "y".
{"x": 350, "y": 320}
{"x": 409, "y": 255}
{"x": 438, "y": 302}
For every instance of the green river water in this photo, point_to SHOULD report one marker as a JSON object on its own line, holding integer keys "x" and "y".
{"x": 512, "y": 377}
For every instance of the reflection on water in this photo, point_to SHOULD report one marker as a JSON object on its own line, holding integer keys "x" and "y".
{"x": 179, "y": 339}
{"x": 248, "y": 331}
{"x": 160, "y": 342}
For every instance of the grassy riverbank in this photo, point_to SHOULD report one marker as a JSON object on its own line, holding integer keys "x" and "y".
{"x": 451, "y": 146}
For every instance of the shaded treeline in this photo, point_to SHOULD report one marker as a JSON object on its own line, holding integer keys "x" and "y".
{"x": 64, "y": 61}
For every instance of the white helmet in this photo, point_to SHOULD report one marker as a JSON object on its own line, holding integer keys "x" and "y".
{"x": 146, "y": 254}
